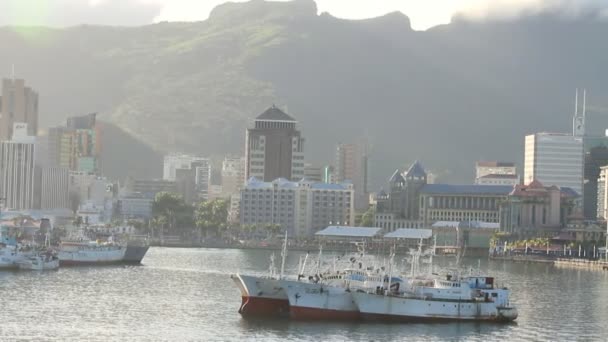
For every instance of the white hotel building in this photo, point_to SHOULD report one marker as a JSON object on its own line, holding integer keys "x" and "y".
{"x": 17, "y": 169}
{"x": 554, "y": 159}
{"x": 301, "y": 208}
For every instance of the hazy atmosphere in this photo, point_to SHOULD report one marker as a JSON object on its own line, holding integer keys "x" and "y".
{"x": 329, "y": 170}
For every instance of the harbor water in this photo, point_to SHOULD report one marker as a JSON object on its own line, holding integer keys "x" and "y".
{"x": 187, "y": 295}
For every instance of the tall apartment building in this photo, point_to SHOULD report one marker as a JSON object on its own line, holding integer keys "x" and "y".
{"x": 18, "y": 103}
{"x": 313, "y": 173}
{"x": 602, "y": 194}
{"x": 17, "y": 168}
{"x": 554, "y": 159}
{"x": 202, "y": 177}
{"x": 274, "y": 148}
{"x": 351, "y": 165}
{"x": 300, "y": 208}
{"x": 55, "y": 183}
{"x": 75, "y": 146}
{"x": 233, "y": 175}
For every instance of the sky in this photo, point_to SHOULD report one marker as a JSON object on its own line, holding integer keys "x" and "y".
{"x": 423, "y": 13}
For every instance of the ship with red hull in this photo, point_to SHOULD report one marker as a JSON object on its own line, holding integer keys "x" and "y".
{"x": 261, "y": 296}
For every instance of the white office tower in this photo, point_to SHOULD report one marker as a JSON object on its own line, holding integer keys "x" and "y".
{"x": 17, "y": 169}
{"x": 554, "y": 159}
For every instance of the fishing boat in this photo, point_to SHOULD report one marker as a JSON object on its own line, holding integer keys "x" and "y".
{"x": 39, "y": 262}
{"x": 474, "y": 298}
{"x": 90, "y": 253}
{"x": 9, "y": 257}
{"x": 263, "y": 295}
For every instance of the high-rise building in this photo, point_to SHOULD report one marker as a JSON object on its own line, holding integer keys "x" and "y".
{"x": 75, "y": 146}
{"x": 351, "y": 165}
{"x": 17, "y": 168}
{"x": 233, "y": 175}
{"x": 202, "y": 177}
{"x": 55, "y": 182}
{"x": 554, "y": 159}
{"x": 274, "y": 148}
{"x": 17, "y": 104}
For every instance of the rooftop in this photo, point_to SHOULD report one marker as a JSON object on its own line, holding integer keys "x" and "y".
{"x": 495, "y": 164}
{"x": 466, "y": 224}
{"x": 416, "y": 170}
{"x": 347, "y": 231}
{"x": 449, "y": 189}
{"x": 274, "y": 114}
{"x": 502, "y": 176}
{"x": 408, "y": 233}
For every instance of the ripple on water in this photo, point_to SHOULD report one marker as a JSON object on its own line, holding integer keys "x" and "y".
{"x": 186, "y": 294}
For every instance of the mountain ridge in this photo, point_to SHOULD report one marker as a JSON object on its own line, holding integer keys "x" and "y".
{"x": 446, "y": 96}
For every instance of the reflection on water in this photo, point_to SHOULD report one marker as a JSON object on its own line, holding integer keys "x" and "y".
{"x": 186, "y": 294}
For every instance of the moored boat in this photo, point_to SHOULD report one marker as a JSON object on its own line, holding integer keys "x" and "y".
{"x": 40, "y": 262}
{"x": 9, "y": 257}
{"x": 474, "y": 298}
{"x": 261, "y": 296}
{"x": 90, "y": 253}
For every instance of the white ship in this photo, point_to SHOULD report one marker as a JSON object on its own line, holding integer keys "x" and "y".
{"x": 40, "y": 262}
{"x": 329, "y": 297}
{"x": 472, "y": 298}
{"x": 90, "y": 252}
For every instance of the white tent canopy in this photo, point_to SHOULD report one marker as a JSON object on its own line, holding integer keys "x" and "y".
{"x": 409, "y": 233}
{"x": 346, "y": 231}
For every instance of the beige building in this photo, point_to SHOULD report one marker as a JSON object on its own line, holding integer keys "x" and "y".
{"x": 233, "y": 175}
{"x": 351, "y": 165}
{"x": 17, "y": 104}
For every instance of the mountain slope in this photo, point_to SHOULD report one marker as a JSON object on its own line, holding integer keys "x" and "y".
{"x": 447, "y": 96}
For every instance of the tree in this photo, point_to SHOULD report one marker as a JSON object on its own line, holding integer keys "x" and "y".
{"x": 211, "y": 216}
{"x": 171, "y": 209}
{"x": 272, "y": 229}
{"x": 367, "y": 220}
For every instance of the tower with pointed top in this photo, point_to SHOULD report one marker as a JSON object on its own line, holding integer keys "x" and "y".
{"x": 274, "y": 148}
{"x": 415, "y": 179}
{"x": 578, "y": 121}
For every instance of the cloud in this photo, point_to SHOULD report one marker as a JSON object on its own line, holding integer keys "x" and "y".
{"x": 75, "y": 12}
{"x": 423, "y": 13}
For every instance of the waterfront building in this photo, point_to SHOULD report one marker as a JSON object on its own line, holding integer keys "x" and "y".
{"x": 234, "y": 209}
{"x": 351, "y": 165}
{"x": 185, "y": 179}
{"x": 55, "y": 182}
{"x": 274, "y": 148}
{"x": 233, "y": 175}
{"x": 18, "y": 103}
{"x": 300, "y": 208}
{"x": 474, "y": 237}
{"x": 536, "y": 210}
{"x": 596, "y": 156}
{"x": 399, "y": 208}
{"x": 554, "y": 159}
{"x": 447, "y": 202}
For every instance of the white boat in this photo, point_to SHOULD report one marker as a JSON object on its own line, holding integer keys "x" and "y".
{"x": 472, "y": 298}
{"x": 90, "y": 253}
{"x": 40, "y": 262}
{"x": 329, "y": 297}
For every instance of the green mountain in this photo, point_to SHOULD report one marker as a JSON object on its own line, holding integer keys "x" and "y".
{"x": 447, "y": 96}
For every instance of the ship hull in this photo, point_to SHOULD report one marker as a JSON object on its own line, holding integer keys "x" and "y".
{"x": 400, "y": 309}
{"x": 309, "y": 301}
{"x": 91, "y": 257}
{"x": 261, "y": 296}
{"x": 135, "y": 254}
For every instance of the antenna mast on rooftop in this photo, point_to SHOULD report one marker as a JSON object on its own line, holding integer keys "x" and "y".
{"x": 578, "y": 121}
